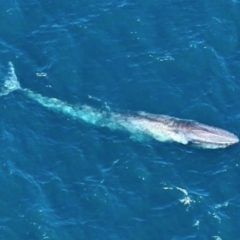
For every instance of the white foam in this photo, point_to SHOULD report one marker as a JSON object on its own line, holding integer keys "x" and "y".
{"x": 11, "y": 83}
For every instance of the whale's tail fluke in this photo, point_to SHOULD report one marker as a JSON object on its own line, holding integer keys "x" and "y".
{"x": 10, "y": 82}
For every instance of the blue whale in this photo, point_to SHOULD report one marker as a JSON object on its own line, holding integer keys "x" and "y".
{"x": 140, "y": 124}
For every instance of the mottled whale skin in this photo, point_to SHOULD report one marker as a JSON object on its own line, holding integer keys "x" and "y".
{"x": 159, "y": 127}
{"x": 166, "y": 128}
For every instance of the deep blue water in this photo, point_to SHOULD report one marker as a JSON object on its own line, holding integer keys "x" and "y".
{"x": 64, "y": 179}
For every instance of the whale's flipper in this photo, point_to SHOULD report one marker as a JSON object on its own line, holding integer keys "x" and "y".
{"x": 10, "y": 82}
{"x": 180, "y": 138}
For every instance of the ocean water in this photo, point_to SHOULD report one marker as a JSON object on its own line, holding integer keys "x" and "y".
{"x": 65, "y": 179}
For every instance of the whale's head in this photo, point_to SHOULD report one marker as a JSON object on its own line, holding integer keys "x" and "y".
{"x": 205, "y": 136}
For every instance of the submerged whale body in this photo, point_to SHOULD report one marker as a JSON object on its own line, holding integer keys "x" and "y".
{"x": 159, "y": 127}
